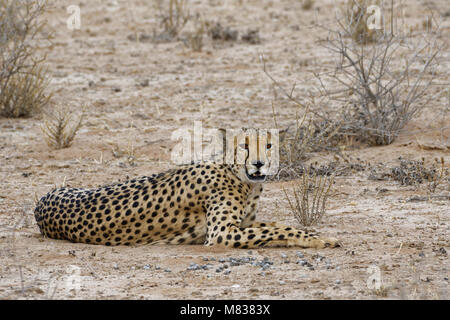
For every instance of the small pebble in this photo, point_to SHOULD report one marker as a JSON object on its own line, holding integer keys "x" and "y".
{"x": 282, "y": 282}
{"x": 284, "y": 255}
{"x": 167, "y": 270}
{"x": 338, "y": 281}
{"x": 299, "y": 254}
{"x": 319, "y": 258}
{"x": 147, "y": 267}
{"x": 302, "y": 262}
{"x": 115, "y": 266}
{"x": 227, "y": 271}
{"x": 193, "y": 266}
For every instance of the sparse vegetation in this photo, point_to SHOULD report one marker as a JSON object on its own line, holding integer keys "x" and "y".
{"x": 305, "y": 137}
{"x": 308, "y": 197}
{"x": 60, "y": 127}
{"x": 383, "y": 97}
{"x": 411, "y": 172}
{"x": 174, "y": 17}
{"x": 251, "y": 36}
{"x": 196, "y": 38}
{"x": 23, "y": 78}
{"x": 219, "y": 32}
{"x": 382, "y": 291}
{"x": 307, "y": 4}
{"x": 375, "y": 98}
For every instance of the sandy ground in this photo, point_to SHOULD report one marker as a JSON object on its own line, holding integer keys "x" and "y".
{"x": 137, "y": 93}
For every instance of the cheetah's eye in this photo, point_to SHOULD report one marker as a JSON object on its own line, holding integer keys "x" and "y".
{"x": 269, "y": 145}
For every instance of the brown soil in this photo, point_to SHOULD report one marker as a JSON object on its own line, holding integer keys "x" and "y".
{"x": 224, "y": 86}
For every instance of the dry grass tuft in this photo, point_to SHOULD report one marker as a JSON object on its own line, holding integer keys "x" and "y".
{"x": 60, "y": 128}
{"x": 25, "y": 94}
{"x": 307, "y": 4}
{"x": 381, "y": 292}
{"x": 196, "y": 38}
{"x": 174, "y": 18}
{"x": 309, "y": 197}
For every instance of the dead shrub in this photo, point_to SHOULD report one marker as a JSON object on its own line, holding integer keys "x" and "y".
{"x": 308, "y": 197}
{"x": 385, "y": 82}
{"x": 60, "y": 127}
{"x": 23, "y": 79}
{"x": 374, "y": 89}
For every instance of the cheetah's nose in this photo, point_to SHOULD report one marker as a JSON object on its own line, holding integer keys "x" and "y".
{"x": 258, "y": 164}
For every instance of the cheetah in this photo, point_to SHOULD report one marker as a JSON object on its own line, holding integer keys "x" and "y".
{"x": 199, "y": 203}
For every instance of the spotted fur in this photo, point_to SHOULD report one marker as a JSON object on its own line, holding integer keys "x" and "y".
{"x": 211, "y": 204}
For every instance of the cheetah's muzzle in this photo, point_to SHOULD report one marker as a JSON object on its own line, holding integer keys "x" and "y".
{"x": 257, "y": 176}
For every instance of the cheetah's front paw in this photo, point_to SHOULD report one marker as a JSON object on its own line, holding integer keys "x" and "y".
{"x": 327, "y": 242}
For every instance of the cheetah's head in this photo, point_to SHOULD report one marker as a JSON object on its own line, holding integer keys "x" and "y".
{"x": 253, "y": 153}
